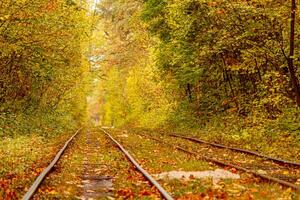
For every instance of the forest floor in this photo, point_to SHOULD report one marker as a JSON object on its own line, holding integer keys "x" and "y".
{"x": 93, "y": 168}
{"x": 22, "y": 159}
{"x": 281, "y": 144}
{"x": 158, "y": 158}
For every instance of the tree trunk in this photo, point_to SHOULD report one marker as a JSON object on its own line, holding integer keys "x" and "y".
{"x": 189, "y": 92}
{"x": 294, "y": 79}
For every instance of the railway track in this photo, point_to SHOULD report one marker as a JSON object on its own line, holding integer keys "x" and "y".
{"x": 162, "y": 191}
{"x": 278, "y": 171}
{"x": 34, "y": 187}
{"x": 278, "y": 160}
{"x": 260, "y": 166}
{"x": 39, "y": 180}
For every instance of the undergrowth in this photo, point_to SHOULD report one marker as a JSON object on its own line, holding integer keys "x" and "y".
{"x": 44, "y": 124}
{"x": 28, "y": 143}
{"x": 278, "y": 137}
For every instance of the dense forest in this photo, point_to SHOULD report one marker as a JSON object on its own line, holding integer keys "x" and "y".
{"x": 43, "y": 73}
{"x": 180, "y": 64}
{"x": 197, "y": 63}
{"x": 226, "y": 71}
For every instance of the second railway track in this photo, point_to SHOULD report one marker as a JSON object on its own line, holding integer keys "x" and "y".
{"x": 246, "y": 151}
{"x": 285, "y": 173}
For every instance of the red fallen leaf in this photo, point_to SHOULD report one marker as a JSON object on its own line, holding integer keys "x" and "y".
{"x": 4, "y": 184}
{"x": 48, "y": 190}
{"x": 233, "y": 170}
{"x": 220, "y": 12}
{"x": 10, "y": 176}
{"x": 221, "y": 195}
{"x": 210, "y": 193}
{"x": 130, "y": 177}
{"x": 125, "y": 193}
{"x": 145, "y": 193}
{"x": 192, "y": 177}
{"x": 249, "y": 196}
{"x": 10, "y": 195}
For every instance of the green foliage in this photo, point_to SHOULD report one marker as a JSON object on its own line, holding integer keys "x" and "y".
{"x": 192, "y": 63}
{"x": 289, "y": 121}
{"x": 149, "y": 104}
{"x": 131, "y": 90}
{"x": 43, "y": 71}
{"x": 226, "y": 56}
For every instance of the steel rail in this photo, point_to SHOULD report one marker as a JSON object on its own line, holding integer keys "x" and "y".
{"x": 265, "y": 177}
{"x": 32, "y": 190}
{"x": 162, "y": 191}
{"x": 237, "y": 149}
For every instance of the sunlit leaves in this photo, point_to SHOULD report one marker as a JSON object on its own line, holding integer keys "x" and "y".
{"x": 43, "y": 67}
{"x": 41, "y": 40}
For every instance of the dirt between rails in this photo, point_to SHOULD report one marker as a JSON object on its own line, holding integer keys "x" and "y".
{"x": 158, "y": 158}
{"x": 93, "y": 168}
{"x": 95, "y": 183}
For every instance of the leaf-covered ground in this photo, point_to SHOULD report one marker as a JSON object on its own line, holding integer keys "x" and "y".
{"x": 159, "y": 158}
{"x": 277, "y": 138}
{"x": 92, "y": 156}
{"x": 261, "y": 165}
{"x": 22, "y": 159}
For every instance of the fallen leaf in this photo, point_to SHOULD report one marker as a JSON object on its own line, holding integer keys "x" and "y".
{"x": 145, "y": 193}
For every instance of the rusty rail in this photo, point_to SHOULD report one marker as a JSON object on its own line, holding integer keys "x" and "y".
{"x": 222, "y": 163}
{"x": 237, "y": 149}
{"x": 162, "y": 191}
{"x": 32, "y": 190}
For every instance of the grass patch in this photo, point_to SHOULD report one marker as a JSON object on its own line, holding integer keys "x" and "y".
{"x": 248, "y": 187}
{"x": 22, "y": 158}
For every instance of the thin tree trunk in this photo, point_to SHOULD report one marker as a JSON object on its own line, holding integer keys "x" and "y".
{"x": 294, "y": 79}
{"x": 189, "y": 92}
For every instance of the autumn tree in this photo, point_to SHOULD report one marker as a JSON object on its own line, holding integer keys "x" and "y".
{"x": 42, "y": 60}
{"x": 210, "y": 57}
{"x": 294, "y": 79}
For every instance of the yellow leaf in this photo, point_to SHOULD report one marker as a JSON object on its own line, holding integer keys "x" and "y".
{"x": 52, "y": 192}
